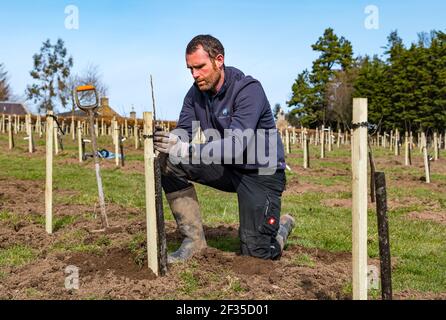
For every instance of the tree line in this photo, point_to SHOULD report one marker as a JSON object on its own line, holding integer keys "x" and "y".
{"x": 406, "y": 88}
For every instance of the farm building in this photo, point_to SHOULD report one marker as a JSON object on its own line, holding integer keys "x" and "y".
{"x": 13, "y": 108}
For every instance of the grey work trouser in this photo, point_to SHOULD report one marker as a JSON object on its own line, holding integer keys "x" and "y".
{"x": 259, "y": 198}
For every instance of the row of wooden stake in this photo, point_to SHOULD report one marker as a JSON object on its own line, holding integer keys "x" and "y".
{"x": 155, "y": 239}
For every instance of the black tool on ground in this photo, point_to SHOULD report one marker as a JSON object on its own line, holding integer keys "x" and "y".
{"x": 86, "y": 98}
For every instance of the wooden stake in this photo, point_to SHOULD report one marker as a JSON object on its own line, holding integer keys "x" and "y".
{"x": 338, "y": 141}
{"x": 79, "y": 142}
{"x": 73, "y": 129}
{"x": 407, "y": 157}
{"x": 49, "y": 173}
{"x": 287, "y": 141}
{"x": 30, "y": 133}
{"x": 359, "y": 201}
{"x": 136, "y": 132}
{"x": 117, "y": 134}
{"x": 2, "y": 124}
{"x": 39, "y": 126}
{"x": 391, "y": 140}
{"x": 444, "y": 140}
{"x": 397, "y": 142}
{"x": 16, "y": 124}
{"x": 426, "y": 158}
{"x": 152, "y": 239}
{"x": 322, "y": 142}
{"x": 435, "y": 146}
{"x": 10, "y": 133}
{"x": 420, "y": 141}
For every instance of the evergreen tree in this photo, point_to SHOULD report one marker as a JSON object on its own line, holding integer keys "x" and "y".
{"x": 5, "y": 90}
{"x": 310, "y": 89}
{"x": 51, "y": 72}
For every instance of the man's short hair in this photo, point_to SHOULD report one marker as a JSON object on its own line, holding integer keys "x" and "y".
{"x": 210, "y": 44}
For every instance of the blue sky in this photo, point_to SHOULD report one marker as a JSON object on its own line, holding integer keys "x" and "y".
{"x": 129, "y": 40}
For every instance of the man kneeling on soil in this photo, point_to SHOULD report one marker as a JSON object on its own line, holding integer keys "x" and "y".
{"x": 242, "y": 153}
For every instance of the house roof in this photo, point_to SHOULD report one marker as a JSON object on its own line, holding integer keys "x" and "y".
{"x": 77, "y": 113}
{"x": 12, "y": 108}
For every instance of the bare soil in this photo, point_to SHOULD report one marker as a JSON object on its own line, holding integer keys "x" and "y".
{"x": 114, "y": 271}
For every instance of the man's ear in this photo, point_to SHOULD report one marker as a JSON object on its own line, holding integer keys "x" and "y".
{"x": 220, "y": 60}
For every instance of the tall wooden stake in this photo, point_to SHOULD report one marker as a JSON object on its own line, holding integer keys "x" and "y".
{"x": 10, "y": 133}
{"x": 426, "y": 158}
{"x": 322, "y": 142}
{"x": 49, "y": 174}
{"x": 338, "y": 141}
{"x": 29, "y": 130}
{"x": 359, "y": 201}
{"x": 73, "y": 129}
{"x": 435, "y": 146}
{"x": 152, "y": 238}
{"x": 397, "y": 142}
{"x": 117, "y": 134}
{"x": 79, "y": 142}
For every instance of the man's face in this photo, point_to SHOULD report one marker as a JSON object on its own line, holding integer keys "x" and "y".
{"x": 207, "y": 72}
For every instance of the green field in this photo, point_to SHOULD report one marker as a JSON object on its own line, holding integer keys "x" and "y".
{"x": 418, "y": 246}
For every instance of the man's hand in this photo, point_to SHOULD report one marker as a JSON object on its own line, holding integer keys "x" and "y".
{"x": 169, "y": 143}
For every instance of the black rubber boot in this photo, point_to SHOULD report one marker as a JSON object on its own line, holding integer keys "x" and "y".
{"x": 287, "y": 224}
{"x": 185, "y": 208}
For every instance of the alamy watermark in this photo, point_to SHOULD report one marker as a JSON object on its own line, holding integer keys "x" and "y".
{"x": 72, "y": 280}
{"x": 258, "y": 148}
{"x": 72, "y": 17}
{"x": 371, "y": 22}
{"x": 372, "y": 277}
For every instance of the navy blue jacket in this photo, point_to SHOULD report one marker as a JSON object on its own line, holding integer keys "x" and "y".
{"x": 240, "y": 104}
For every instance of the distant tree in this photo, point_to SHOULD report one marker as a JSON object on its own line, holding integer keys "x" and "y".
{"x": 276, "y": 111}
{"x": 5, "y": 90}
{"x": 373, "y": 83}
{"x": 310, "y": 89}
{"x": 92, "y": 75}
{"x": 339, "y": 93}
{"x": 51, "y": 71}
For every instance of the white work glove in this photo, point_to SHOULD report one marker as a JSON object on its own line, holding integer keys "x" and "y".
{"x": 171, "y": 144}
